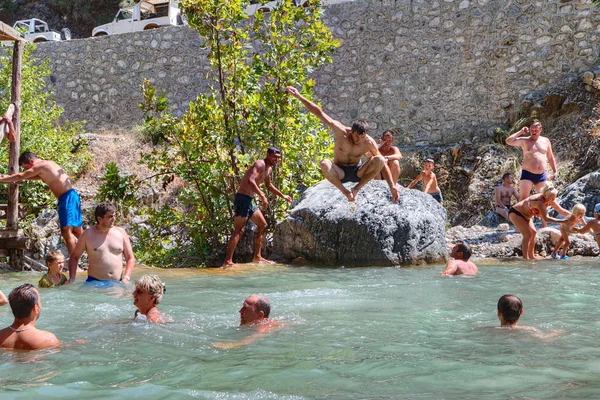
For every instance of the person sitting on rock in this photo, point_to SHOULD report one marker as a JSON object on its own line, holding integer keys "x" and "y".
{"x": 26, "y": 305}
{"x": 504, "y": 193}
{"x": 460, "y": 264}
{"x": 55, "y": 261}
{"x": 522, "y": 213}
{"x": 391, "y": 154}
{"x": 351, "y": 143}
{"x": 569, "y": 225}
{"x": 593, "y": 225}
{"x": 430, "y": 181}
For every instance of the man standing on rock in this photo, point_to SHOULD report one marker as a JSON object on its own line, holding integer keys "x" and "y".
{"x": 52, "y": 174}
{"x": 536, "y": 149}
{"x": 351, "y": 143}
{"x": 106, "y": 245}
{"x": 503, "y": 195}
{"x": 244, "y": 204}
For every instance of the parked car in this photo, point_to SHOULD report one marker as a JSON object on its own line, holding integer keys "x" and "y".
{"x": 148, "y": 14}
{"x": 36, "y": 31}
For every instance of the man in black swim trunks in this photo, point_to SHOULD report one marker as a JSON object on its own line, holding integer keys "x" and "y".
{"x": 244, "y": 206}
{"x": 351, "y": 143}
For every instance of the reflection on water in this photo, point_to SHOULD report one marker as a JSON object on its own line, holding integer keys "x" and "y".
{"x": 350, "y": 333}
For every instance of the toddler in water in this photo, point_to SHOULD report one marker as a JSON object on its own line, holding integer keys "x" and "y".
{"x": 55, "y": 262}
{"x": 430, "y": 181}
{"x": 569, "y": 225}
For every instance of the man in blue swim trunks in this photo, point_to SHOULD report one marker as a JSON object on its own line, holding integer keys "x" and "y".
{"x": 536, "y": 150}
{"x": 245, "y": 208}
{"x": 52, "y": 174}
{"x": 351, "y": 143}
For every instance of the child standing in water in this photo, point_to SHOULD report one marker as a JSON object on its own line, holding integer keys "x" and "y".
{"x": 430, "y": 181}
{"x": 569, "y": 225}
{"x": 55, "y": 261}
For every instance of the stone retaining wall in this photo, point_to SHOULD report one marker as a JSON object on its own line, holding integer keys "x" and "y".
{"x": 435, "y": 70}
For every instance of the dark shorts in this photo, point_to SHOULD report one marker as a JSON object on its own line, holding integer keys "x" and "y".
{"x": 437, "y": 196}
{"x": 350, "y": 173}
{"x": 244, "y": 205}
{"x": 69, "y": 209}
{"x": 513, "y": 211}
{"x": 535, "y": 178}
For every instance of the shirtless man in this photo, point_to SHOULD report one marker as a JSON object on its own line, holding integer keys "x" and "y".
{"x": 391, "y": 154}
{"x": 244, "y": 206}
{"x": 254, "y": 314}
{"x": 105, "y": 245}
{"x": 22, "y": 334}
{"x": 351, "y": 143}
{"x": 503, "y": 195}
{"x": 460, "y": 264}
{"x": 536, "y": 149}
{"x": 52, "y": 174}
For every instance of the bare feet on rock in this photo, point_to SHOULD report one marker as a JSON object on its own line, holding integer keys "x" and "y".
{"x": 355, "y": 190}
{"x": 228, "y": 264}
{"x": 349, "y": 195}
{"x": 262, "y": 260}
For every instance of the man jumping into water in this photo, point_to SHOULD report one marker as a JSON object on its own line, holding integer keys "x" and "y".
{"x": 244, "y": 204}
{"x": 52, "y": 174}
{"x": 351, "y": 143}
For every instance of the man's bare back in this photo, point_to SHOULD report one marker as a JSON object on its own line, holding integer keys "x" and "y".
{"x": 29, "y": 338}
{"x": 48, "y": 172}
{"x": 259, "y": 171}
{"x": 460, "y": 267}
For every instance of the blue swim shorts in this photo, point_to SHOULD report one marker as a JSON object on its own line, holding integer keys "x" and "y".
{"x": 69, "y": 209}
{"x": 535, "y": 178}
{"x": 437, "y": 196}
{"x": 100, "y": 283}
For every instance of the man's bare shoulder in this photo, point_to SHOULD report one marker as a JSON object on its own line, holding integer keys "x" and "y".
{"x": 119, "y": 230}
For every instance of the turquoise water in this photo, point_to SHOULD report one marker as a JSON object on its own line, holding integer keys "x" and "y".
{"x": 368, "y": 333}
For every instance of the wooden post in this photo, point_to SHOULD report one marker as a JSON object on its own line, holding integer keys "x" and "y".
{"x": 12, "y": 214}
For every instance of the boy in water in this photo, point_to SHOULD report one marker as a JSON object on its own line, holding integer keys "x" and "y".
{"x": 593, "y": 225}
{"x": 510, "y": 309}
{"x": 55, "y": 262}
{"x": 569, "y": 225}
{"x": 430, "y": 181}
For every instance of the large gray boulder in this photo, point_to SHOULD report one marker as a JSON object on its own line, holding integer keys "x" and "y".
{"x": 324, "y": 228}
{"x": 585, "y": 190}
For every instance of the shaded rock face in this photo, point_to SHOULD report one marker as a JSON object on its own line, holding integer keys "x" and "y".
{"x": 585, "y": 190}
{"x": 325, "y": 228}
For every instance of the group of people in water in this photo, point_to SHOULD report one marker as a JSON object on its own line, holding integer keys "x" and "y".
{"x": 107, "y": 245}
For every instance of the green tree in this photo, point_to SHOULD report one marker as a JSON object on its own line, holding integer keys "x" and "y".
{"x": 40, "y": 132}
{"x": 227, "y": 129}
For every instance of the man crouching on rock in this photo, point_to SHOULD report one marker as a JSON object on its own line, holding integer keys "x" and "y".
{"x": 244, "y": 204}
{"x": 460, "y": 264}
{"x": 350, "y": 145}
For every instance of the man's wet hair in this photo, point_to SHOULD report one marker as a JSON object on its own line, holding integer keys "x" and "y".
{"x": 506, "y": 174}
{"x": 263, "y": 304}
{"x": 510, "y": 307}
{"x": 536, "y": 122}
{"x": 102, "y": 209}
{"x": 466, "y": 250}
{"x": 360, "y": 126}
{"x": 26, "y": 157}
{"x": 53, "y": 256}
{"x": 273, "y": 150}
{"x": 22, "y": 299}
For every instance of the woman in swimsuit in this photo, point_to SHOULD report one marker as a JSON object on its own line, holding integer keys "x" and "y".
{"x": 521, "y": 215}
{"x": 148, "y": 292}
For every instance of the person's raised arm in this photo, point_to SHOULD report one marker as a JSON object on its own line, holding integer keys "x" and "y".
{"x": 129, "y": 257}
{"x": 512, "y": 140}
{"x": 3, "y": 299}
{"x": 275, "y": 191}
{"x": 314, "y": 109}
{"x": 415, "y": 181}
{"x": 30, "y": 174}
{"x": 551, "y": 160}
{"x": 74, "y": 257}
